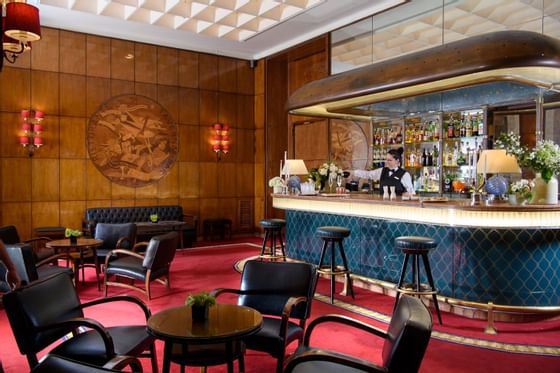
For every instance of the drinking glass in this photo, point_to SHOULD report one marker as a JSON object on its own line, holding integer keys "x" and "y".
{"x": 331, "y": 182}
{"x": 339, "y": 181}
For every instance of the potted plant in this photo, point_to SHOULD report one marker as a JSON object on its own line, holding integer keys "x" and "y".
{"x": 200, "y": 303}
{"x": 154, "y": 218}
{"x": 73, "y": 235}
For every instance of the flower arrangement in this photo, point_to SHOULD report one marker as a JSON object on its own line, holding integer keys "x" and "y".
{"x": 543, "y": 158}
{"x": 522, "y": 189}
{"x": 276, "y": 181}
{"x": 321, "y": 174}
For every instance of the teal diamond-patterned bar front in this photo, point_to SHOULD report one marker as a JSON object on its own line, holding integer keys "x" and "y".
{"x": 518, "y": 267}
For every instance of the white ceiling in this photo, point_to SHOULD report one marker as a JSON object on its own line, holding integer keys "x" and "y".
{"x": 173, "y": 23}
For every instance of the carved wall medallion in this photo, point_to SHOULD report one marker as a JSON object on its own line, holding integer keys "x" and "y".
{"x": 349, "y": 144}
{"x": 132, "y": 140}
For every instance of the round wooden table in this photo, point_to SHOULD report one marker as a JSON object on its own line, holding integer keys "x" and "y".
{"x": 226, "y": 323}
{"x": 81, "y": 247}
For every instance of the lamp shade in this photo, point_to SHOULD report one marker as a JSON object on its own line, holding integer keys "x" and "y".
{"x": 294, "y": 167}
{"x": 496, "y": 161}
{"x": 22, "y": 22}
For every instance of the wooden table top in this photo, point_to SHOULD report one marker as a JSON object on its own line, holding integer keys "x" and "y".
{"x": 82, "y": 242}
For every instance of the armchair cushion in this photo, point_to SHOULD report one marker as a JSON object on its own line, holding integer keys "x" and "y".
{"x": 60, "y": 364}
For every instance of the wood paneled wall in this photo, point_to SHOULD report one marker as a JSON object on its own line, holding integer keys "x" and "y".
{"x": 68, "y": 75}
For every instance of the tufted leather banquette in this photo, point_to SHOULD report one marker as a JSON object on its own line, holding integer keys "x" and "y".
{"x": 136, "y": 214}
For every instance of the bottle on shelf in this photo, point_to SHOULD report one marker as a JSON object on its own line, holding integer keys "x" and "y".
{"x": 435, "y": 156}
{"x": 468, "y": 126}
{"x": 450, "y": 127}
{"x": 424, "y": 158}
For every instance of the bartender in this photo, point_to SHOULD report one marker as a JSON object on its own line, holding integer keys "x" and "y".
{"x": 390, "y": 175}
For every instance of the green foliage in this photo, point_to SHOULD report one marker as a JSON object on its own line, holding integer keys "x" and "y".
{"x": 201, "y": 299}
{"x": 72, "y": 232}
{"x": 154, "y": 218}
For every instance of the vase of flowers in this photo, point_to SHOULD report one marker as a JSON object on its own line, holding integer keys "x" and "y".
{"x": 277, "y": 184}
{"x": 325, "y": 176}
{"x": 544, "y": 159}
{"x": 72, "y": 235}
{"x": 520, "y": 192}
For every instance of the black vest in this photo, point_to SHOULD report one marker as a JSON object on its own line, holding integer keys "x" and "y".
{"x": 393, "y": 180}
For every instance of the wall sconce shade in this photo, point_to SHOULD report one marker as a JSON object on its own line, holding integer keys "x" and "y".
{"x": 20, "y": 26}
{"x": 220, "y": 140}
{"x": 31, "y": 128}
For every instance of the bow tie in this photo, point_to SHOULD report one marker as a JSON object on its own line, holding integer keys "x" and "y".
{"x": 393, "y": 169}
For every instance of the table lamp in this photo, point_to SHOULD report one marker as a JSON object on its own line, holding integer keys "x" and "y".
{"x": 497, "y": 161}
{"x": 292, "y": 168}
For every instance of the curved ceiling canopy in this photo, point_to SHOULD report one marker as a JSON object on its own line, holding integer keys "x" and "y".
{"x": 523, "y": 57}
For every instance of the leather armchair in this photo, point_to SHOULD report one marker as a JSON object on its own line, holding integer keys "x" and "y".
{"x": 150, "y": 266}
{"x": 25, "y": 255}
{"x": 283, "y": 293}
{"x": 115, "y": 236}
{"x": 405, "y": 343}
{"x": 45, "y": 311}
{"x": 60, "y": 364}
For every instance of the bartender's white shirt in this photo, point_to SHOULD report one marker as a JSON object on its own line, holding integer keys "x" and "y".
{"x": 406, "y": 180}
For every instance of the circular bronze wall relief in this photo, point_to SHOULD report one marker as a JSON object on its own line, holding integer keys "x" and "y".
{"x": 132, "y": 140}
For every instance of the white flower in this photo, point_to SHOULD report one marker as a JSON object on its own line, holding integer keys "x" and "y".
{"x": 276, "y": 181}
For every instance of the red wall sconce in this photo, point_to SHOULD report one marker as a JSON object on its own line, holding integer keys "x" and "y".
{"x": 31, "y": 129}
{"x": 20, "y": 26}
{"x": 220, "y": 140}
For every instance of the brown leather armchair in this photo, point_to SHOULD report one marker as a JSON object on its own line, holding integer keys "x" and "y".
{"x": 405, "y": 343}
{"x": 150, "y": 266}
{"x": 45, "y": 311}
{"x": 283, "y": 293}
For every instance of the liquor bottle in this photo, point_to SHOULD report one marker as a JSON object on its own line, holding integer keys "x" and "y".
{"x": 462, "y": 129}
{"x": 435, "y": 156}
{"x": 430, "y": 161}
{"x": 454, "y": 156}
{"x": 468, "y": 126}
{"x": 435, "y": 130}
{"x": 398, "y": 138}
{"x": 480, "y": 125}
{"x": 424, "y": 158}
{"x": 475, "y": 125}
{"x": 450, "y": 127}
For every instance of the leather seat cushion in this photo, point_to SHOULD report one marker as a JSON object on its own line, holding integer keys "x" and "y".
{"x": 268, "y": 339}
{"x": 333, "y": 232}
{"x": 415, "y": 242}
{"x": 272, "y": 223}
{"x": 128, "y": 266}
{"x": 88, "y": 346}
{"x": 323, "y": 367}
{"x": 53, "y": 363}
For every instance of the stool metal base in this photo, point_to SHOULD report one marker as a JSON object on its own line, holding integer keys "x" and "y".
{"x": 333, "y": 270}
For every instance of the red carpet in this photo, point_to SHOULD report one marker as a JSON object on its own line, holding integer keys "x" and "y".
{"x": 209, "y": 267}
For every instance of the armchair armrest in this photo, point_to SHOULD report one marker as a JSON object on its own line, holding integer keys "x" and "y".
{"x": 74, "y": 323}
{"x": 121, "y": 251}
{"x": 315, "y": 354}
{"x": 52, "y": 258}
{"x": 140, "y": 244}
{"x": 122, "y": 240}
{"x": 219, "y": 291}
{"x": 120, "y": 362}
{"x": 341, "y": 320}
{"x": 287, "y": 311}
{"x": 120, "y": 298}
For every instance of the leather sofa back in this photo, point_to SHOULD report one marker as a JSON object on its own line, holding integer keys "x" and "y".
{"x": 133, "y": 214}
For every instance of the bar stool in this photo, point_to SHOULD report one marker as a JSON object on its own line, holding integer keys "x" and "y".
{"x": 272, "y": 231}
{"x": 416, "y": 246}
{"x": 334, "y": 235}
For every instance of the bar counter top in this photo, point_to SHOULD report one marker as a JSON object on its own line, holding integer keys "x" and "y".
{"x": 433, "y": 210}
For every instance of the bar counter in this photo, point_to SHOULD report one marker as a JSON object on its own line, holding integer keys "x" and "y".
{"x": 499, "y": 253}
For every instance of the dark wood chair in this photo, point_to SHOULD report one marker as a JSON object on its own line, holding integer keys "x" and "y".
{"x": 283, "y": 293}
{"x": 46, "y": 311}
{"x": 405, "y": 343}
{"x": 152, "y": 265}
